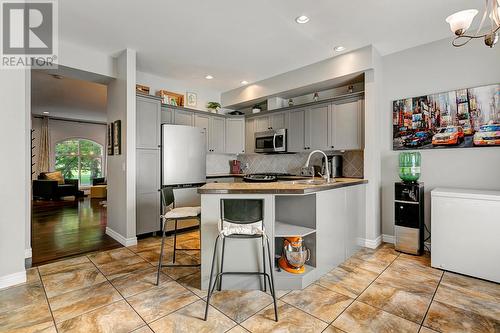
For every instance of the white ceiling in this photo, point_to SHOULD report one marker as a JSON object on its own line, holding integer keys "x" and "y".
{"x": 237, "y": 40}
{"x": 67, "y": 98}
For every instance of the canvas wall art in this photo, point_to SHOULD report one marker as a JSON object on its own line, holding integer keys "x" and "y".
{"x": 117, "y": 137}
{"x": 110, "y": 138}
{"x": 456, "y": 119}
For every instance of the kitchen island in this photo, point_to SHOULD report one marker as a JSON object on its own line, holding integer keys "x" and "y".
{"x": 330, "y": 217}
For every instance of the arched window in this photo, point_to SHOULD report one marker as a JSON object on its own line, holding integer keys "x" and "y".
{"x": 79, "y": 159}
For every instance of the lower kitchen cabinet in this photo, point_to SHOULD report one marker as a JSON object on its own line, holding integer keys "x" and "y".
{"x": 147, "y": 194}
{"x": 235, "y": 136}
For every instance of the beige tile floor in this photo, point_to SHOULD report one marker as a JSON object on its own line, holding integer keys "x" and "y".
{"x": 373, "y": 291}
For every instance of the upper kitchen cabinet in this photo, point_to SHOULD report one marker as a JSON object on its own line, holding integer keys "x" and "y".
{"x": 235, "y": 135}
{"x": 274, "y": 121}
{"x": 278, "y": 120}
{"x": 316, "y": 127}
{"x": 147, "y": 119}
{"x": 261, "y": 124}
{"x": 296, "y": 131}
{"x": 346, "y": 126}
{"x": 250, "y": 135}
{"x": 216, "y": 135}
{"x": 167, "y": 115}
{"x": 203, "y": 121}
{"x": 182, "y": 117}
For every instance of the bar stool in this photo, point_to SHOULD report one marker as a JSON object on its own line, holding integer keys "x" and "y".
{"x": 243, "y": 219}
{"x": 181, "y": 213}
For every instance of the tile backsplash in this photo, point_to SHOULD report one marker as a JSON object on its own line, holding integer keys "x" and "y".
{"x": 353, "y": 164}
{"x": 219, "y": 163}
{"x": 283, "y": 163}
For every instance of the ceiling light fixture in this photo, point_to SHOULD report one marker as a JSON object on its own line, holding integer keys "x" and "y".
{"x": 461, "y": 21}
{"x": 339, "y": 48}
{"x": 45, "y": 112}
{"x": 244, "y": 82}
{"x": 302, "y": 19}
{"x": 209, "y": 77}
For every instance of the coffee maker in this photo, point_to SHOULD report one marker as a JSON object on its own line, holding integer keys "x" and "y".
{"x": 334, "y": 165}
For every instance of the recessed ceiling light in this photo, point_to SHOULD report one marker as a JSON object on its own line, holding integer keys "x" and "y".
{"x": 45, "y": 112}
{"x": 302, "y": 19}
{"x": 209, "y": 77}
{"x": 339, "y": 48}
{"x": 244, "y": 82}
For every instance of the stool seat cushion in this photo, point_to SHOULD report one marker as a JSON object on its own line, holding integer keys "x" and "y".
{"x": 249, "y": 229}
{"x": 181, "y": 212}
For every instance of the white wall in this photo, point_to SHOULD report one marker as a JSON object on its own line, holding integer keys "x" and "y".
{"x": 14, "y": 184}
{"x": 86, "y": 59}
{"x": 60, "y": 130}
{"x": 121, "y": 168}
{"x": 432, "y": 68}
{"x": 155, "y": 83}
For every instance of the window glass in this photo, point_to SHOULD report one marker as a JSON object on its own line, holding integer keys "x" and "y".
{"x": 79, "y": 159}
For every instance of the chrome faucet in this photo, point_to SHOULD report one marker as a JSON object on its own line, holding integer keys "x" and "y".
{"x": 326, "y": 163}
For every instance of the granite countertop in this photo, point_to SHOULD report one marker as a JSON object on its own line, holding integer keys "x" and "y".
{"x": 282, "y": 187}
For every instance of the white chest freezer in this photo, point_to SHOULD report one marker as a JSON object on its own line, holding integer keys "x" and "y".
{"x": 465, "y": 231}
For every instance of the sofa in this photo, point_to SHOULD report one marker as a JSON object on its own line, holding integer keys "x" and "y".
{"x": 51, "y": 186}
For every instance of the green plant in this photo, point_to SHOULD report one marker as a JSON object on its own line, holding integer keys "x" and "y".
{"x": 213, "y": 105}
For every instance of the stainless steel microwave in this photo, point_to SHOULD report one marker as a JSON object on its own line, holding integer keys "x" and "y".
{"x": 273, "y": 141}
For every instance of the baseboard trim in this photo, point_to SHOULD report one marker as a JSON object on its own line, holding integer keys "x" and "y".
{"x": 370, "y": 243}
{"x": 28, "y": 253}
{"x": 388, "y": 239}
{"x": 12, "y": 279}
{"x": 120, "y": 239}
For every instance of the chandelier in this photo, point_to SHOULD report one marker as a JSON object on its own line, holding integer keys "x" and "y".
{"x": 461, "y": 21}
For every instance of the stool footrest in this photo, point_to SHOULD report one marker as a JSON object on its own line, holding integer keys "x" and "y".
{"x": 181, "y": 265}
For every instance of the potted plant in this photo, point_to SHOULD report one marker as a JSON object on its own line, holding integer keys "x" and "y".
{"x": 213, "y": 106}
{"x": 256, "y": 108}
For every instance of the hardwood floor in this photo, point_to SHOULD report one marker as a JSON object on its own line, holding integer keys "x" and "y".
{"x": 67, "y": 228}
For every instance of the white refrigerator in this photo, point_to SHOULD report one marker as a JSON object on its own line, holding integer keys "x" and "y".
{"x": 183, "y": 156}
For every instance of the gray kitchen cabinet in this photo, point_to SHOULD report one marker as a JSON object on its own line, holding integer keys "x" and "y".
{"x": 182, "y": 117}
{"x": 167, "y": 115}
{"x": 278, "y": 120}
{"x": 297, "y": 131}
{"x": 235, "y": 136}
{"x": 317, "y": 127}
{"x": 346, "y": 126}
{"x": 203, "y": 121}
{"x": 250, "y": 135}
{"x": 147, "y": 122}
{"x": 262, "y": 124}
{"x": 147, "y": 195}
{"x": 216, "y": 135}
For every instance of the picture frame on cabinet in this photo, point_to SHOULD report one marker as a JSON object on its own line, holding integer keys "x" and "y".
{"x": 192, "y": 99}
{"x": 117, "y": 137}
{"x": 111, "y": 134}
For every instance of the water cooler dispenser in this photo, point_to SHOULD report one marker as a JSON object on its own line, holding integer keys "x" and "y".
{"x": 409, "y": 217}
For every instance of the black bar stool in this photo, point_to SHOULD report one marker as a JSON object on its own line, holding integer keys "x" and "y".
{"x": 172, "y": 213}
{"x": 242, "y": 212}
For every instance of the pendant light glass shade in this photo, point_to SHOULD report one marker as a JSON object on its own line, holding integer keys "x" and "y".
{"x": 461, "y": 21}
